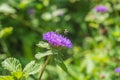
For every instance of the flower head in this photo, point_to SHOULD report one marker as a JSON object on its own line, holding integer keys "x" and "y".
{"x": 31, "y": 11}
{"x": 117, "y": 70}
{"x": 101, "y": 8}
{"x": 57, "y": 40}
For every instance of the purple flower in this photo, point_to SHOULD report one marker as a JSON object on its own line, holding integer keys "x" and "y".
{"x": 101, "y": 8}
{"x": 57, "y": 40}
{"x": 31, "y": 11}
{"x": 117, "y": 70}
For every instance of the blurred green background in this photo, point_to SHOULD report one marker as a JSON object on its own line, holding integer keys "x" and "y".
{"x": 95, "y": 36}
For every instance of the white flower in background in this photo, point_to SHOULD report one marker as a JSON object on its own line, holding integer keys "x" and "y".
{"x": 58, "y": 12}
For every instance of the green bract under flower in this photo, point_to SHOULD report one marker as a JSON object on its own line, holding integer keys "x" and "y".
{"x": 57, "y": 40}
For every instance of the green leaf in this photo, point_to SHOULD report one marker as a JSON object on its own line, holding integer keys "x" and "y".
{"x": 12, "y": 65}
{"x": 6, "y": 32}
{"x": 74, "y": 71}
{"x": 17, "y": 74}
{"x": 40, "y": 55}
{"x": 60, "y": 62}
{"x": 31, "y": 68}
{"x": 90, "y": 65}
{"x": 43, "y": 45}
{"x": 6, "y": 78}
{"x": 5, "y": 8}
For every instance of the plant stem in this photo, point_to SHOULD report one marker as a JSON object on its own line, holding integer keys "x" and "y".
{"x": 44, "y": 66}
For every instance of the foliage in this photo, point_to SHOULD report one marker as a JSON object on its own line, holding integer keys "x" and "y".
{"x": 14, "y": 66}
{"x": 6, "y": 78}
{"x": 95, "y": 37}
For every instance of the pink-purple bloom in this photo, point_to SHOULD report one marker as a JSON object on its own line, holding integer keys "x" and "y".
{"x": 101, "y": 8}
{"x": 57, "y": 39}
{"x": 31, "y": 11}
{"x": 117, "y": 70}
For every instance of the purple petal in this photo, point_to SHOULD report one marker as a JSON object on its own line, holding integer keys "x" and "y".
{"x": 117, "y": 70}
{"x": 57, "y": 40}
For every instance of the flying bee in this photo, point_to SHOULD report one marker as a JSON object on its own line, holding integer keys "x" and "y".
{"x": 66, "y": 31}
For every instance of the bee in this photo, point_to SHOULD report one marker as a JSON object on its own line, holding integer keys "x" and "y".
{"x": 66, "y": 31}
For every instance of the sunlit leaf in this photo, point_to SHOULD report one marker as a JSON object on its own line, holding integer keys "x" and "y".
{"x": 117, "y": 7}
{"x": 39, "y": 6}
{"x": 46, "y": 16}
{"x": 43, "y": 45}
{"x": 40, "y": 55}
{"x": 6, "y": 78}
{"x": 12, "y": 65}
{"x": 90, "y": 65}
{"x": 46, "y": 2}
{"x": 5, "y": 8}
{"x": 5, "y": 32}
{"x": 31, "y": 68}
{"x": 17, "y": 74}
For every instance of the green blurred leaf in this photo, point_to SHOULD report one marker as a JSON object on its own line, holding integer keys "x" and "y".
{"x": 31, "y": 68}
{"x": 12, "y": 65}
{"x": 117, "y": 7}
{"x": 59, "y": 61}
{"x": 94, "y": 25}
{"x": 39, "y": 6}
{"x": 6, "y": 78}
{"x": 5, "y": 8}
{"x": 39, "y": 55}
{"x": 46, "y": 2}
{"x": 116, "y": 34}
{"x": 43, "y": 45}
{"x": 90, "y": 65}
{"x": 73, "y": 70}
{"x": 3, "y": 56}
{"x": 46, "y": 16}
{"x": 5, "y": 32}
{"x": 35, "y": 22}
{"x": 17, "y": 74}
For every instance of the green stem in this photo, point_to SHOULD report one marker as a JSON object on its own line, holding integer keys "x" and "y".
{"x": 44, "y": 66}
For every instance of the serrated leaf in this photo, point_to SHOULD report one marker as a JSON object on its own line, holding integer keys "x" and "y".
{"x": 12, "y": 65}
{"x": 6, "y": 78}
{"x": 39, "y": 55}
{"x": 43, "y": 45}
{"x": 31, "y": 68}
{"x": 59, "y": 61}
